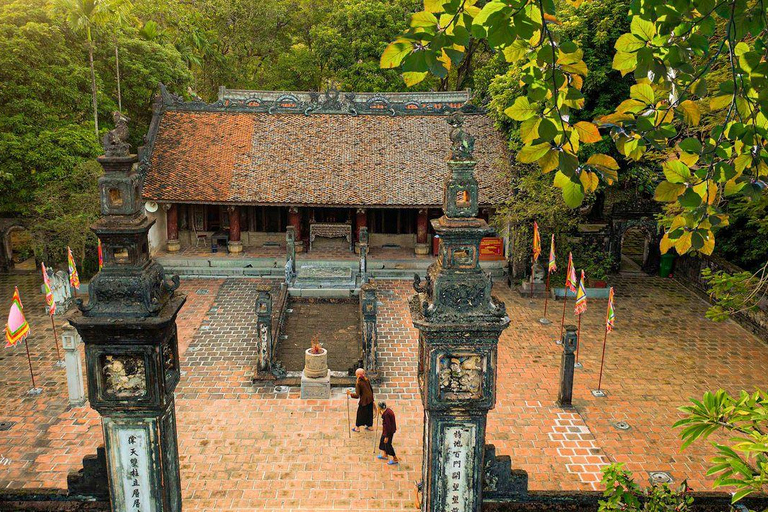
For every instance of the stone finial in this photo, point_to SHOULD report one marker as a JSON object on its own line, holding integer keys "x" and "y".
{"x": 462, "y": 143}
{"x": 115, "y": 141}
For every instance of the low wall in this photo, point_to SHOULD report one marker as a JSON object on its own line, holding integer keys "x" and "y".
{"x": 688, "y": 273}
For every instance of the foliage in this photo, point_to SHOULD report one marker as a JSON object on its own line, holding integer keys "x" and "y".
{"x": 733, "y": 293}
{"x": 743, "y": 462}
{"x": 670, "y": 50}
{"x": 744, "y": 241}
{"x": 63, "y": 214}
{"x": 622, "y": 493}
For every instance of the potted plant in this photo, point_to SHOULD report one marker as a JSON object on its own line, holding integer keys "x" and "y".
{"x": 315, "y": 360}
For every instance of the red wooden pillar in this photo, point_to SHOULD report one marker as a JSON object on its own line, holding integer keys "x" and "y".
{"x": 361, "y": 221}
{"x": 234, "y": 229}
{"x": 422, "y": 239}
{"x": 294, "y": 220}
{"x": 172, "y": 227}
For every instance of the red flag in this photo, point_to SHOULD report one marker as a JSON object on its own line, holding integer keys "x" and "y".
{"x": 48, "y": 292}
{"x": 570, "y": 275}
{"x": 536, "y": 242}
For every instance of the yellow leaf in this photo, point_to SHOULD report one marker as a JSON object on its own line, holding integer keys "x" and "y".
{"x": 577, "y": 81}
{"x": 683, "y": 243}
{"x": 688, "y": 159}
{"x": 720, "y": 102}
{"x": 445, "y": 59}
{"x": 588, "y": 132}
{"x": 691, "y": 112}
{"x": 709, "y": 243}
{"x": 433, "y": 5}
{"x": 549, "y": 162}
{"x": 413, "y": 77}
{"x": 551, "y": 19}
{"x": 666, "y": 244}
{"x": 678, "y": 222}
{"x": 589, "y": 180}
{"x": 529, "y": 130}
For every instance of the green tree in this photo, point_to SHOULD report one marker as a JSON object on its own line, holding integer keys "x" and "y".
{"x": 671, "y": 50}
{"x": 84, "y": 17}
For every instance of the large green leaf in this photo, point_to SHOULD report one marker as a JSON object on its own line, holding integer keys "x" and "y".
{"x": 668, "y": 192}
{"x": 676, "y": 172}
{"x": 573, "y": 194}
{"x": 521, "y": 109}
{"x": 643, "y": 29}
{"x": 530, "y": 154}
{"x": 629, "y": 43}
{"x": 394, "y": 53}
{"x": 489, "y": 9}
{"x": 642, "y": 92}
{"x": 624, "y": 62}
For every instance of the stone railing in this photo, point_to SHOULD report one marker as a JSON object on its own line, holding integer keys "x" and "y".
{"x": 688, "y": 273}
{"x": 279, "y": 307}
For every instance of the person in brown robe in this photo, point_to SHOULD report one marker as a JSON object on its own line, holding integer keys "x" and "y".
{"x": 364, "y": 394}
{"x": 388, "y": 429}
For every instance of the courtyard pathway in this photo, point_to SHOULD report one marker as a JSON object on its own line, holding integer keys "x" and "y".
{"x": 251, "y": 448}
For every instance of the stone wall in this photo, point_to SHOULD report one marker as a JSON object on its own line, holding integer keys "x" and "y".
{"x": 687, "y": 271}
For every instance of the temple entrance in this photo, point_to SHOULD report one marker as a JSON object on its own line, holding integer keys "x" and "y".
{"x": 16, "y": 247}
{"x": 635, "y": 245}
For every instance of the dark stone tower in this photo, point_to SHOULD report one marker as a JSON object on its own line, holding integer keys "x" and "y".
{"x": 129, "y": 330}
{"x": 459, "y": 324}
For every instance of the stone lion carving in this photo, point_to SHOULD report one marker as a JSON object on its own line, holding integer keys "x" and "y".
{"x": 115, "y": 141}
{"x": 462, "y": 143}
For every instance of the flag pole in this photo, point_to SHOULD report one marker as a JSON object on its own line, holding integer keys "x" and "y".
{"x": 546, "y": 297}
{"x": 533, "y": 266}
{"x": 578, "y": 341}
{"x": 562, "y": 320}
{"x": 602, "y": 360}
{"x": 59, "y": 362}
{"x": 35, "y": 390}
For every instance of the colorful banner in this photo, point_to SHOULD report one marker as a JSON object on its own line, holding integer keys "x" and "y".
{"x": 48, "y": 292}
{"x": 536, "y": 242}
{"x": 74, "y": 279}
{"x": 581, "y": 297}
{"x": 611, "y": 315}
{"x": 570, "y": 275}
{"x": 101, "y": 255}
{"x": 17, "y": 327}
{"x": 552, "y": 266}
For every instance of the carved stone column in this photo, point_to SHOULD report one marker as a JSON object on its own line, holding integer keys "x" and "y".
{"x": 363, "y": 251}
{"x": 172, "y": 227}
{"x": 567, "y": 365}
{"x": 361, "y": 221}
{"x": 294, "y": 220}
{"x": 459, "y": 323}
{"x": 129, "y": 331}
{"x": 264, "y": 326}
{"x": 370, "y": 335}
{"x": 422, "y": 238}
{"x": 234, "y": 245}
{"x": 290, "y": 254}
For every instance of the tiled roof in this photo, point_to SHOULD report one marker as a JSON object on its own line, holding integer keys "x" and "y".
{"x": 318, "y": 159}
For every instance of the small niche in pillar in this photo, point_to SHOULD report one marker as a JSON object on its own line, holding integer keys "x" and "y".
{"x": 463, "y": 256}
{"x": 120, "y": 255}
{"x": 461, "y": 376}
{"x": 115, "y": 198}
{"x": 124, "y": 376}
{"x": 462, "y": 199}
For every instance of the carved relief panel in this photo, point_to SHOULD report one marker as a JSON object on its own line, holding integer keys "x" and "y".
{"x": 460, "y": 376}
{"x": 124, "y": 376}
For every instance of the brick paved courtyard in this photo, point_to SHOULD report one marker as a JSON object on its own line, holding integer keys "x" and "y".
{"x": 246, "y": 448}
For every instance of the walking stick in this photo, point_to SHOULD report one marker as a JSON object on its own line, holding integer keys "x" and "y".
{"x": 375, "y": 428}
{"x": 349, "y": 428}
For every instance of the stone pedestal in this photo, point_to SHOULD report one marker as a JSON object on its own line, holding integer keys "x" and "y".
{"x": 173, "y": 246}
{"x": 235, "y": 247}
{"x": 316, "y": 389}
{"x": 70, "y": 342}
{"x": 421, "y": 249}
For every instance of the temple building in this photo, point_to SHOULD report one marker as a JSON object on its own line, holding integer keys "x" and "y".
{"x": 238, "y": 171}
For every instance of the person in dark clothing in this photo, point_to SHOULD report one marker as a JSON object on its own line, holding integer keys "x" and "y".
{"x": 388, "y": 429}
{"x": 364, "y": 394}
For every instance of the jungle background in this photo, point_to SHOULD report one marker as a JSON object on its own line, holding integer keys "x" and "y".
{"x": 48, "y": 132}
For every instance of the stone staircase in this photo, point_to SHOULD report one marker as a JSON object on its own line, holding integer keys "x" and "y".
{"x": 332, "y": 280}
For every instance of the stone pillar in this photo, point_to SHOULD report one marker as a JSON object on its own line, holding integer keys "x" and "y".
{"x": 459, "y": 323}
{"x": 294, "y": 220}
{"x": 363, "y": 251}
{"x": 422, "y": 238}
{"x": 234, "y": 245}
{"x": 290, "y": 254}
{"x": 361, "y": 221}
{"x": 567, "y": 360}
{"x": 70, "y": 342}
{"x": 370, "y": 337}
{"x": 129, "y": 330}
{"x": 172, "y": 226}
{"x": 264, "y": 326}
